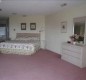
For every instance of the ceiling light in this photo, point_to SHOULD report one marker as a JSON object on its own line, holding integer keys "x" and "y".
{"x": 0, "y": 1}
{"x": 64, "y": 4}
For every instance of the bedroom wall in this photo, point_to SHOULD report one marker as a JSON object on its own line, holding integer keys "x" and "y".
{"x": 15, "y": 23}
{"x": 54, "y": 37}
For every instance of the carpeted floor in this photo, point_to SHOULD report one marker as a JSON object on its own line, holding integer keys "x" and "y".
{"x": 44, "y": 65}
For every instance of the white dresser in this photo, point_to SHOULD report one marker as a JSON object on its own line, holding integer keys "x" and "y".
{"x": 75, "y": 54}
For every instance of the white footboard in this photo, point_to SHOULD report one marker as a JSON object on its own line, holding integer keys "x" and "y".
{"x": 24, "y": 49}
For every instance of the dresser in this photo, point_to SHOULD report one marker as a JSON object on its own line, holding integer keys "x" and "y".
{"x": 75, "y": 54}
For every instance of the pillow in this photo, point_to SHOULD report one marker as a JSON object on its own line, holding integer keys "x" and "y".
{"x": 35, "y": 38}
{"x": 24, "y": 39}
{"x": 28, "y": 39}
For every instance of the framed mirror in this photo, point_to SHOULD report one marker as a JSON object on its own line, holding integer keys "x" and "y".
{"x": 79, "y": 28}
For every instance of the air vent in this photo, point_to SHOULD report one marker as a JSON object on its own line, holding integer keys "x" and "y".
{"x": 0, "y": 9}
{"x": 64, "y": 4}
{"x": 24, "y": 15}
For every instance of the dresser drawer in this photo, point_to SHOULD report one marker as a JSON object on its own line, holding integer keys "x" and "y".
{"x": 71, "y": 53}
{"x": 74, "y": 54}
{"x": 71, "y": 59}
{"x": 73, "y": 48}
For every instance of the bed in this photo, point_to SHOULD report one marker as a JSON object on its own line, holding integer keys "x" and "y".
{"x": 24, "y": 44}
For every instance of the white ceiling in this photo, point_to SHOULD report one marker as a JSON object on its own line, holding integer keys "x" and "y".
{"x": 35, "y": 7}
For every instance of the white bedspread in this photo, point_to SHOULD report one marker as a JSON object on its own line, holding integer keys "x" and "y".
{"x": 20, "y": 47}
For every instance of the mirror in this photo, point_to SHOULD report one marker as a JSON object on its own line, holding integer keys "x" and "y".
{"x": 79, "y": 28}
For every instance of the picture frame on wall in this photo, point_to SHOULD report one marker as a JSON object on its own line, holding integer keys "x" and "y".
{"x": 32, "y": 26}
{"x": 64, "y": 27}
{"x": 23, "y": 26}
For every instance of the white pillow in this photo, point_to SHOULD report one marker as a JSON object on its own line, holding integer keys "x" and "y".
{"x": 25, "y": 39}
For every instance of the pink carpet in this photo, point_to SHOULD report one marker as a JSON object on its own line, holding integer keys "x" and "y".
{"x": 44, "y": 65}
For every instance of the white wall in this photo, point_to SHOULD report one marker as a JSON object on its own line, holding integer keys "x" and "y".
{"x": 54, "y": 37}
{"x": 15, "y": 23}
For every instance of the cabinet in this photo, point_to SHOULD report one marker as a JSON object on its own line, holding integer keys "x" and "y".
{"x": 75, "y": 54}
